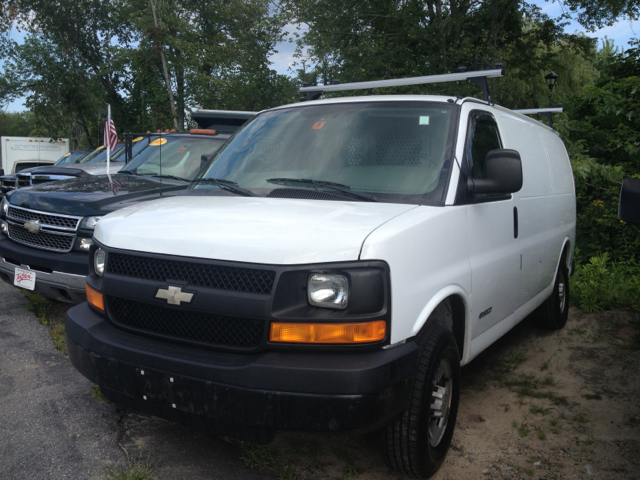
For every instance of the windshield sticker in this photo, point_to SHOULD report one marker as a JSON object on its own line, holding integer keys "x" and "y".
{"x": 67, "y": 154}
{"x": 100, "y": 147}
{"x": 158, "y": 141}
{"x": 137, "y": 139}
{"x": 317, "y": 126}
{"x": 424, "y": 120}
{"x": 182, "y": 149}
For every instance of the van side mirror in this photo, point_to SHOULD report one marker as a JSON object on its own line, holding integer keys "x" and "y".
{"x": 503, "y": 173}
{"x": 629, "y": 206}
{"x": 1, "y": 172}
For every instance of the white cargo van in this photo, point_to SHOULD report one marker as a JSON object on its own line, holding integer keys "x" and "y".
{"x": 18, "y": 153}
{"x": 332, "y": 269}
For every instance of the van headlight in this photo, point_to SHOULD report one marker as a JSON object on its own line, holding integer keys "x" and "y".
{"x": 328, "y": 291}
{"x": 99, "y": 261}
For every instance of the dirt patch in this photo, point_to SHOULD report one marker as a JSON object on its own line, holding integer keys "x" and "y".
{"x": 537, "y": 404}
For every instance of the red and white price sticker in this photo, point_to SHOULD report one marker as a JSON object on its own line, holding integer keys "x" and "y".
{"x": 25, "y": 279}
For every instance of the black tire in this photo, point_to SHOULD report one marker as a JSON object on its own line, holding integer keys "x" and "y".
{"x": 411, "y": 442}
{"x": 553, "y": 313}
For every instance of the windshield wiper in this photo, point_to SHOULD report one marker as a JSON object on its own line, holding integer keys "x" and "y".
{"x": 172, "y": 177}
{"x": 227, "y": 185}
{"x": 339, "y": 187}
{"x": 127, "y": 172}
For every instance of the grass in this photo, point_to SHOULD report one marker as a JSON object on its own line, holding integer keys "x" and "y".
{"x": 590, "y": 396}
{"x": 97, "y": 393}
{"x": 528, "y": 470}
{"x": 541, "y": 434}
{"x": 537, "y": 409}
{"x": 49, "y": 314}
{"x": 523, "y": 428}
{"x": 137, "y": 470}
{"x": 255, "y": 456}
{"x": 528, "y": 385}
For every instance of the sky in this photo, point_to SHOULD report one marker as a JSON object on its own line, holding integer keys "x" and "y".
{"x": 283, "y": 60}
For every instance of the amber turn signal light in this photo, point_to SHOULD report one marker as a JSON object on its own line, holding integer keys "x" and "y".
{"x": 332, "y": 333}
{"x": 202, "y": 131}
{"x": 94, "y": 297}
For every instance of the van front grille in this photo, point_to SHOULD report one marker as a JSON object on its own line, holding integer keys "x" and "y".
{"x": 196, "y": 327}
{"x": 196, "y": 274}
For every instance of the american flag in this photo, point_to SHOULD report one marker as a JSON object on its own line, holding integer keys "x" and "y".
{"x": 110, "y": 135}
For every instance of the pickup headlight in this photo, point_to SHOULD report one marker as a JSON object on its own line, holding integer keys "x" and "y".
{"x": 5, "y": 206}
{"x": 328, "y": 291}
{"x": 99, "y": 260}
{"x": 90, "y": 222}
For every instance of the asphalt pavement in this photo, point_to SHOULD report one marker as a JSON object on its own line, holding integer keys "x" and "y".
{"x": 52, "y": 427}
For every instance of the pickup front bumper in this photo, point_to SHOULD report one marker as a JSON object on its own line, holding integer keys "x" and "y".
{"x": 59, "y": 276}
{"x": 246, "y": 396}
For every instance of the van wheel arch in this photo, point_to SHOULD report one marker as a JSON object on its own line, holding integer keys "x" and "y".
{"x": 449, "y": 314}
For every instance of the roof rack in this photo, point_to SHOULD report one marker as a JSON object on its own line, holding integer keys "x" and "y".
{"x": 545, "y": 112}
{"x": 480, "y": 77}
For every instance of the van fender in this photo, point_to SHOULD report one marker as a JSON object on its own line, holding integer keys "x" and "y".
{"x": 437, "y": 299}
{"x": 565, "y": 244}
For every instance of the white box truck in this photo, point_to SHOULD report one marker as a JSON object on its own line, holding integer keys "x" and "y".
{"x": 19, "y": 153}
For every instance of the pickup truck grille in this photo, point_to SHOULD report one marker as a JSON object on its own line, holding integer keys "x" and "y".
{"x": 49, "y": 219}
{"x": 197, "y": 327}
{"x": 56, "y": 242}
{"x": 57, "y": 232}
{"x": 220, "y": 277}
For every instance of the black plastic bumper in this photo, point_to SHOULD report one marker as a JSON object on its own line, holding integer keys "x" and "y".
{"x": 237, "y": 395}
{"x": 76, "y": 263}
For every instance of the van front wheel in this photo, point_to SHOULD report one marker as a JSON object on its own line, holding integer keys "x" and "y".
{"x": 418, "y": 441}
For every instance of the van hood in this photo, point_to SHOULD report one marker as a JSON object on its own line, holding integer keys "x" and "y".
{"x": 247, "y": 229}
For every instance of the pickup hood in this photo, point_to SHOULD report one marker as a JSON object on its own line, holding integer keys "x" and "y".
{"x": 247, "y": 229}
{"x": 91, "y": 195}
{"x": 100, "y": 168}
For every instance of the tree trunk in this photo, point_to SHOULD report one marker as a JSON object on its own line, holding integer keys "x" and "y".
{"x": 165, "y": 70}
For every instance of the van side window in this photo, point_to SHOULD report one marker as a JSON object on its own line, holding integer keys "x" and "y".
{"x": 483, "y": 137}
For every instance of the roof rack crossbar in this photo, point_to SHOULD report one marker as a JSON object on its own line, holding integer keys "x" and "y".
{"x": 478, "y": 77}
{"x": 545, "y": 112}
{"x": 540, "y": 111}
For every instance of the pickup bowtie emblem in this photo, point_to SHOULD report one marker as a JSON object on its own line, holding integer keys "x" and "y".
{"x": 33, "y": 226}
{"x": 174, "y": 295}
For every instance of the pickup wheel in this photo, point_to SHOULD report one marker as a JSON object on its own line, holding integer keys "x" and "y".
{"x": 417, "y": 443}
{"x": 553, "y": 313}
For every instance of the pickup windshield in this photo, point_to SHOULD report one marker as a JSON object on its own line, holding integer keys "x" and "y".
{"x": 177, "y": 156}
{"x": 396, "y": 151}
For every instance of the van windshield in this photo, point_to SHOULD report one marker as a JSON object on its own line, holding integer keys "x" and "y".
{"x": 397, "y": 151}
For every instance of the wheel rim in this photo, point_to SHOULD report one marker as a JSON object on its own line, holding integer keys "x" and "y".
{"x": 440, "y": 403}
{"x": 562, "y": 294}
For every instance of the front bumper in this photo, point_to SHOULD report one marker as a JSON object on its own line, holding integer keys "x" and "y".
{"x": 246, "y": 396}
{"x": 59, "y": 276}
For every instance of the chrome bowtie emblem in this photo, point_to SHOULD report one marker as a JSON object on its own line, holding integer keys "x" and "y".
{"x": 33, "y": 226}
{"x": 174, "y": 295}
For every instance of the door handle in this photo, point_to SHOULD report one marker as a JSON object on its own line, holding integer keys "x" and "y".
{"x": 515, "y": 222}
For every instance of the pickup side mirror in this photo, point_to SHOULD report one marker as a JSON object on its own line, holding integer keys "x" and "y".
{"x": 204, "y": 159}
{"x": 629, "y": 206}
{"x": 503, "y": 173}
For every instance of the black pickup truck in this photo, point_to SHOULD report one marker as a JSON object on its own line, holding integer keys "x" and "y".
{"x": 46, "y": 230}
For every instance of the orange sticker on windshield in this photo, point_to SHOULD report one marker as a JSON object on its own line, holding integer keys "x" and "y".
{"x": 317, "y": 126}
{"x": 182, "y": 149}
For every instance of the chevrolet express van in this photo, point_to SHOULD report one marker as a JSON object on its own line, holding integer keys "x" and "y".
{"x": 331, "y": 269}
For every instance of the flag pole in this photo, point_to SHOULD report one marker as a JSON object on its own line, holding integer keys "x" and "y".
{"x": 108, "y": 141}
